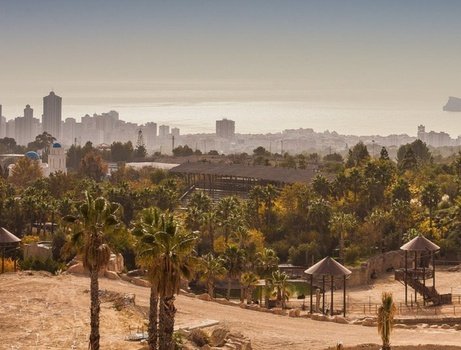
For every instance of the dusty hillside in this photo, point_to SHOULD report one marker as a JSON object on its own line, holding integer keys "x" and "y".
{"x": 40, "y": 312}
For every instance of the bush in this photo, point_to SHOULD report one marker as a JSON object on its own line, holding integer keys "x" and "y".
{"x": 178, "y": 343}
{"x": 48, "y": 265}
{"x": 199, "y": 337}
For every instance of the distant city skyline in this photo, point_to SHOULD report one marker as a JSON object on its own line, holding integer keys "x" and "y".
{"x": 321, "y": 64}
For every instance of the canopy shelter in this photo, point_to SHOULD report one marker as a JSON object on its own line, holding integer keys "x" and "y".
{"x": 423, "y": 252}
{"x": 8, "y": 241}
{"x": 328, "y": 267}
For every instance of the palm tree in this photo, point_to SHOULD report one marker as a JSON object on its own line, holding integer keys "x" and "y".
{"x": 211, "y": 268}
{"x": 279, "y": 281}
{"x": 171, "y": 250}
{"x": 342, "y": 225}
{"x": 146, "y": 226}
{"x": 270, "y": 195}
{"x": 234, "y": 258}
{"x": 386, "y": 314}
{"x": 228, "y": 215}
{"x": 267, "y": 262}
{"x": 248, "y": 280}
{"x": 96, "y": 219}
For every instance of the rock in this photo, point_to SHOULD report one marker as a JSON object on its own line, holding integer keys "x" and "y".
{"x": 136, "y": 273}
{"x": 400, "y": 325}
{"x": 279, "y": 311}
{"x": 294, "y": 313}
{"x": 205, "y": 347}
{"x": 76, "y": 269}
{"x": 445, "y": 326}
{"x": 457, "y": 327}
{"x": 140, "y": 282}
{"x": 340, "y": 319}
{"x": 218, "y": 336}
{"x": 369, "y": 322}
{"x": 205, "y": 297}
{"x": 112, "y": 275}
{"x": 434, "y": 326}
{"x": 319, "y": 317}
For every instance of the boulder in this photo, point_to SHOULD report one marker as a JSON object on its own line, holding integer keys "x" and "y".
{"x": 445, "y": 326}
{"x": 279, "y": 311}
{"x": 77, "y": 269}
{"x": 340, "y": 319}
{"x": 294, "y": 313}
{"x": 218, "y": 336}
{"x": 205, "y": 297}
{"x": 112, "y": 275}
{"x": 369, "y": 322}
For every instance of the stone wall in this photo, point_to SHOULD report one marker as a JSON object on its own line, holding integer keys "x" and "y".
{"x": 376, "y": 266}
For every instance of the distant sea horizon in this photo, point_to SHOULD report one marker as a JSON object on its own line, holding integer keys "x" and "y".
{"x": 255, "y": 110}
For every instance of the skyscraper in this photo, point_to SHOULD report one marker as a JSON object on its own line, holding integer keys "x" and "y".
{"x": 225, "y": 128}
{"x": 27, "y": 127}
{"x": 52, "y": 111}
{"x": 2, "y": 124}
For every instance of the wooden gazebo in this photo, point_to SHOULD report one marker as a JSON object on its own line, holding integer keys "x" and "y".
{"x": 8, "y": 241}
{"x": 415, "y": 274}
{"x": 328, "y": 267}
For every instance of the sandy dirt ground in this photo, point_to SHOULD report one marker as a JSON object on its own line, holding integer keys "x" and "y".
{"x": 39, "y": 312}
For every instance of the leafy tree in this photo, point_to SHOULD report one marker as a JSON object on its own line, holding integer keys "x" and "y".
{"x": 228, "y": 215}
{"x": 333, "y": 157}
{"x": 140, "y": 152}
{"x": 183, "y": 151}
{"x": 25, "y": 172}
{"x": 260, "y": 151}
{"x": 321, "y": 186}
{"x": 93, "y": 166}
{"x": 384, "y": 155}
{"x": 121, "y": 152}
{"x": 342, "y": 225}
{"x": 430, "y": 198}
{"x": 96, "y": 220}
{"x": 358, "y": 155}
{"x": 401, "y": 191}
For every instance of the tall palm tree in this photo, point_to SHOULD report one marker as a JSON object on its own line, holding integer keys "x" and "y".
{"x": 234, "y": 258}
{"x": 228, "y": 215}
{"x": 147, "y": 225}
{"x": 267, "y": 262}
{"x": 211, "y": 268}
{"x": 386, "y": 314}
{"x": 171, "y": 250}
{"x": 96, "y": 219}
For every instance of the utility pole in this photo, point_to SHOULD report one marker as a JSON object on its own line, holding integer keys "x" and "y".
{"x": 172, "y": 143}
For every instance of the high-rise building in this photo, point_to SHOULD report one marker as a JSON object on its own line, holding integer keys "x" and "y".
{"x": 27, "y": 127}
{"x": 175, "y": 132}
{"x": 163, "y": 131}
{"x": 52, "y": 114}
{"x": 149, "y": 131}
{"x": 10, "y": 129}
{"x": 2, "y": 124}
{"x": 225, "y": 128}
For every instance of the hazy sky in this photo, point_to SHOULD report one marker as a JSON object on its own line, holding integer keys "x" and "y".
{"x": 380, "y": 47}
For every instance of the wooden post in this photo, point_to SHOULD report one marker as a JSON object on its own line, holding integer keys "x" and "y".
{"x": 323, "y": 299}
{"x": 332, "y": 285}
{"x": 433, "y": 269}
{"x": 344, "y": 296}
{"x": 405, "y": 277}
{"x": 312, "y": 287}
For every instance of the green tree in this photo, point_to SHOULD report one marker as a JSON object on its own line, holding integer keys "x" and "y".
{"x": 321, "y": 186}
{"x": 234, "y": 262}
{"x": 358, "y": 155}
{"x": 170, "y": 251}
{"x": 384, "y": 155}
{"x": 401, "y": 190}
{"x": 342, "y": 225}
{"x": 25, "y": 172}
{"x": 279, "y": 281}
{"x": 211, "y": 268}
{"x": 266, "y": 263}
{"x": 248, "y": 280}
{"x": 93, "y": 166}
{"x": 430, "y": 198}
{"x": 96, "y": 220}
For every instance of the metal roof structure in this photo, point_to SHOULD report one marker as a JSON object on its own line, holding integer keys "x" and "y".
{"x": 328, "y": 267}
{"x": 7, "y": 238}
{"x": 420, "y": 244}
{"x": 260, "y": 172}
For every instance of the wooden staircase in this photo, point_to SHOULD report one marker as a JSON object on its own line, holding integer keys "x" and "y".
{"x": 413, "y": 279}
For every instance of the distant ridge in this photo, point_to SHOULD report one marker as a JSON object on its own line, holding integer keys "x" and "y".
{"x": 453, "y": 104}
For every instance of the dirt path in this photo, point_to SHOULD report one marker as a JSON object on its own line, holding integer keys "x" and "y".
{"x": 39, "y": 312}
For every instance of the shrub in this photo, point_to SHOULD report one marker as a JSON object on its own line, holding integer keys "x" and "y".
{"x": 199, "y": 337}
{"x": 41, "y": 265}
{"x": 178, "y": 342}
